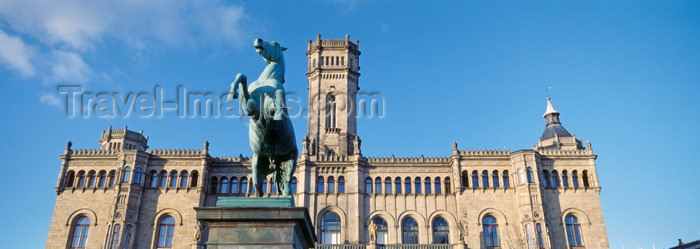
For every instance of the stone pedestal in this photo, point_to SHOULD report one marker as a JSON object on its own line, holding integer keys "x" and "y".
{"x": 257, "y": 223}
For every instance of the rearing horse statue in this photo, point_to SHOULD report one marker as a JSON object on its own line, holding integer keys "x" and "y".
{"x": 270, "y": 130}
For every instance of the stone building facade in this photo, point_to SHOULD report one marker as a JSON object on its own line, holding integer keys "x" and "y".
{"x": 123, "y": 196}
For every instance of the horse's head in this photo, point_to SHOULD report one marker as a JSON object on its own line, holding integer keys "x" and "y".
{"x": 270, "y": 51}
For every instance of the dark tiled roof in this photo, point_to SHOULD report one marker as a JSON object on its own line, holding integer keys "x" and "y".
{"x": 552, "y": 129}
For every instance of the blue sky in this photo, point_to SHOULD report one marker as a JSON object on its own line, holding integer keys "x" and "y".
{"x": 624, "y": 75}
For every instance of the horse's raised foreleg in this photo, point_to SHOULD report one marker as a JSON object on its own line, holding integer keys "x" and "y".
{"x": 234, "y": 93}
{"x": 260, "y": 167}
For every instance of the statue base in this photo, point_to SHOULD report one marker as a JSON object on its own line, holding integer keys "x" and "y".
{"x": 256, "y": 223}
{"x": 286, "y": 201}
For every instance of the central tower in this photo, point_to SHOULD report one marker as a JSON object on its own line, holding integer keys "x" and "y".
{"x": 333, "y": 85}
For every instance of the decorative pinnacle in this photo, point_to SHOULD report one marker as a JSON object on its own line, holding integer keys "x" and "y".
{"x": 550, "y": 108}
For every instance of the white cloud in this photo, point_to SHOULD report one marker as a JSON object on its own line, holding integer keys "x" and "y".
{"x": 50, "y": 99}
{"x": 16, "y": 55}
{"x": 54, "y": 36}
{"x": 78, "y": 25}
{"x": 68, "y": 67}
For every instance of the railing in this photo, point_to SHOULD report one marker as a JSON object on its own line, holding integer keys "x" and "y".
{"x": 391, "y": 246}
{"x": 340, "y": 246}
{"x": 335, "y": 43}
{"x": 415, "y": 246}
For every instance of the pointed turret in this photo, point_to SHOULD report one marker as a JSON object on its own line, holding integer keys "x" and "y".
{"x": 554, "y": 135}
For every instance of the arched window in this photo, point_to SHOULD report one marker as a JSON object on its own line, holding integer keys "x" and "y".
{"x": 540, "y": 237}
{"x": 441, "y": 231}
{"x": 293, "y": 185}
{"x": 184, "y": 179}
{"x": 574, "y": 178}
{"x": 173, "y": 179}
{"x": 448, "y": 186}
{"x": 475, "y": 179}
{"x": 485, "y": 178}
{"x": 163, "y": 179}
{"x": 111, "y": 178}
{"x": 341, "y": 184}
{"x": 465, "y": 179}
{"x": 331, "y": 185}
{"x": 397, "y": 185}
{"x": 195, "y": 178}
{"x": 438, "y": 186}
{"x": 387, "y": 185}
{"x": 330, "y": 110}
{"x": 224, "y": 185}
{"x": 573, "y": 231}
{"x": 378, "y": 185}
{"x": 564, "y": 179}
{"x": 244, "y": 185}
{"x": 545, "y": 178}
{"x": 103, "y": 179}
{"x": 166, "y": 231}
{"x": 81, "y": 179}
{"x": 368, "y": 185}
{"x": 494, "y": 178}
{"x": 530, "y": 236}
{"x": 491, "y": 231}
{"x": 319, "y": 184}
{"x": 93, "y": 179}
{"x": 127, "y": 234}
{"x": 428, "y": 185}
{"x": 80, "y": 232}
{"x": 417, "y": 183}
{"x": 521, "y": 176}
{"x": 407, "y": 183}
{"x": 555, "y": 179}
{"x": 126, "y": 175}
{"x": 530, "y": 175}
{"x": 234, "y": 185}
{"x": 137, "y": 175}
{"x": 214, "y": 185}
{"x": 382, "y": 231}
{"x": 115, "y": 236}
{"x": 330, "y": 228}
{"x": 506, "y": 181}
{"x": 585, "y": 179}
{"x": 70, "y": 176}
{"x": 154, "y": 179}
{"x": 409, "y": 227}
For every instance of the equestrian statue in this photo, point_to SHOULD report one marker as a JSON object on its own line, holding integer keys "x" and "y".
{"x": 270, "y": 129}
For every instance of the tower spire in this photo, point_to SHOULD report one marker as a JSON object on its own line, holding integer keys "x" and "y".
{"x": 554, "y": 135}
{"x": 551, "y": 115}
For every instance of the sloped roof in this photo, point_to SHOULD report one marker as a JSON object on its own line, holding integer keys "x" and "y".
{"x": 553, "y": 129}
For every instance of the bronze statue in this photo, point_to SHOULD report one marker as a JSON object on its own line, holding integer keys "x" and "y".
{"x": 270, "y": 130}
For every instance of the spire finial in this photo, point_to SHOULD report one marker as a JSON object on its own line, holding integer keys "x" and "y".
{"x": 546, "y": 89}
{"x": 550, "y": 108}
